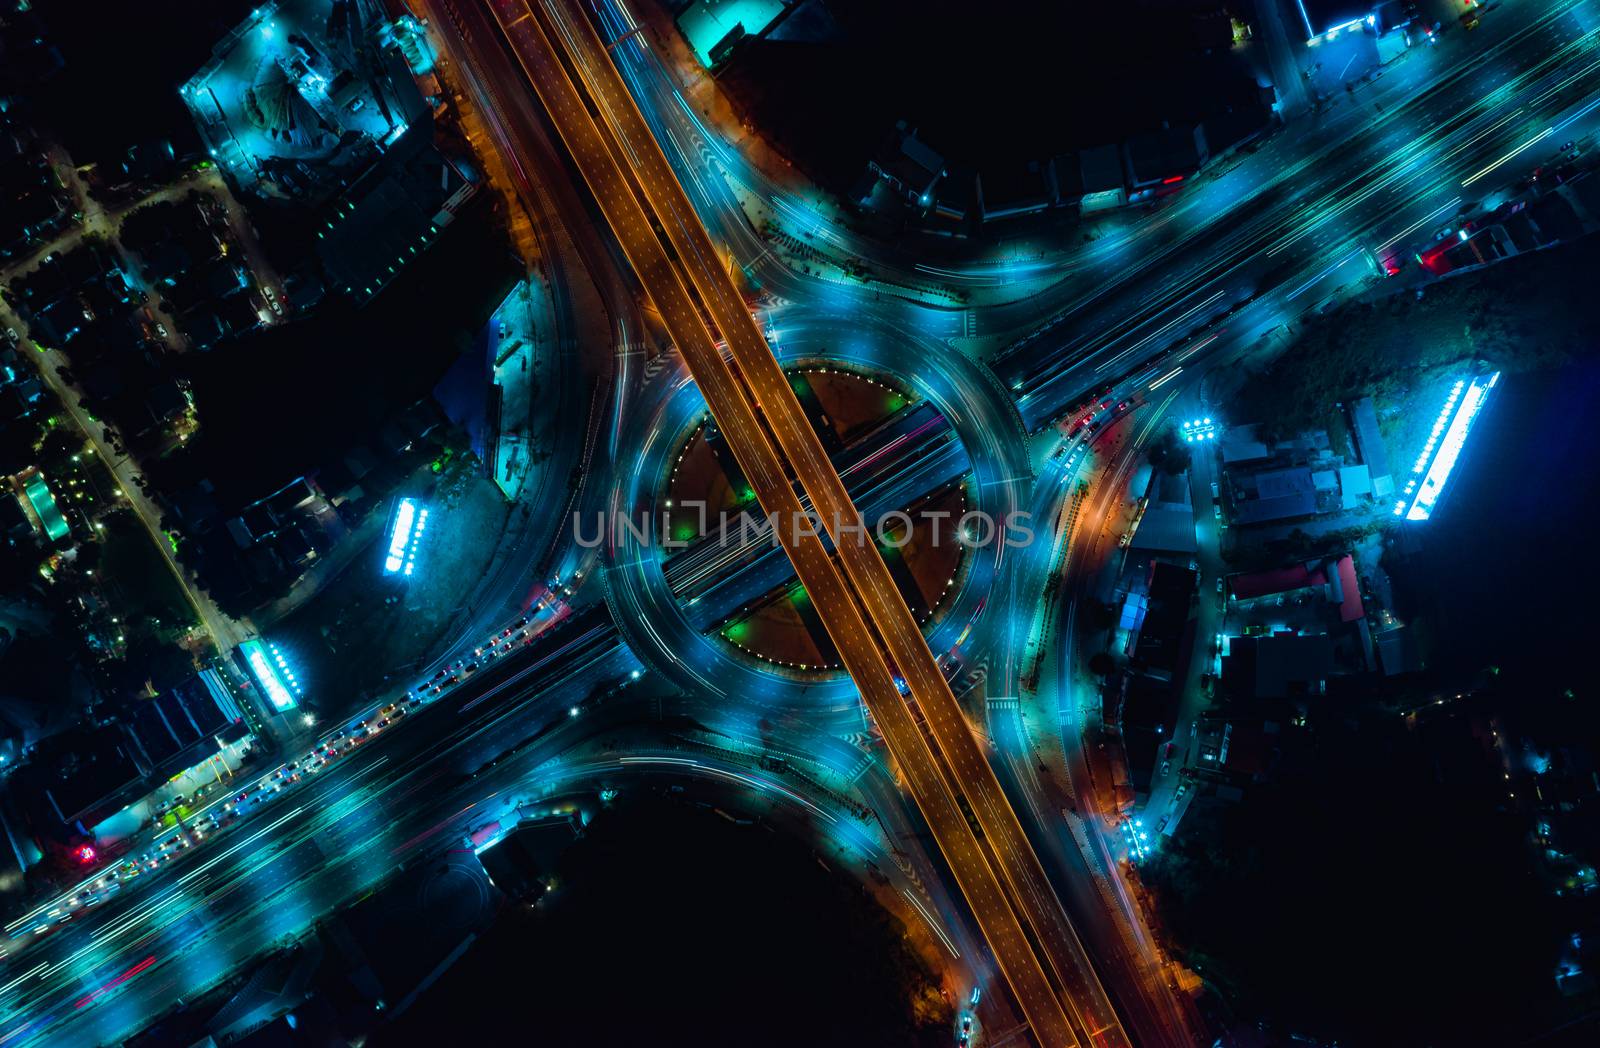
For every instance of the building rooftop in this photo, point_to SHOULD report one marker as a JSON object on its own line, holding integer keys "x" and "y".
{"x": 1277, "y": 580}
{"x": 711, "y": 26}
{"x": 1101, "y": 168}
{"x": 1345, "y": 589}
{"x": 1278, "y": 665}
{"x": 1171, "y": 590}
{"x": 177, "y": 725}
{"x": 1280, "y": 494}
{"x": 1369, "y": 443}
{"x": 291, "y": 95}
{"x": 1166, "y": 527}
{"x": 1166, "y": 156}
{"x": 1239, "y": 444}
{"x": 1355, "y": 484}
{"x": 84, "y": 773}
{"x": 392, "y": 214}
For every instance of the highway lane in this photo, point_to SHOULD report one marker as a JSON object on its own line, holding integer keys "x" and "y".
{"x": 1553, "y": 94}
{"x": 1321, "y": 206}
{"x": 887, "y": 470}
{"x": 814, "y": 702}
{"x": 1263, "y": 314}
{"x": 1466, "y": 71}
{"x": 1473, "y": 73}
{"x": 1278, "y": 175}
{"x": 271, "y": 889}
{"x": 442, "y": 742}
{"x": 467, "y": 729}
{"x": 517, "y": 123}
{"x": 716, "y": 174}
{"x": 604, "y": 381}
{"x": 970, "y": 775}
{"x": 611, "y": 189}
{"x": 1038, "y": 618}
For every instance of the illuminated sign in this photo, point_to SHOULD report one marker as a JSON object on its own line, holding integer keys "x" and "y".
{"x": 410, "y": 520}
{"x": 271, "y": 670}
{"x": 1438, "y": 457}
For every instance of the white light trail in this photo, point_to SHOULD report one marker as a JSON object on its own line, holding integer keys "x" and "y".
{"x": 1526, "y": 145}
{"x": 1166, "y": 378}
{"x": 1418, "y": 224}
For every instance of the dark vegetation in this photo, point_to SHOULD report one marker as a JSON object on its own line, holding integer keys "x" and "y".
{"x": 123, "y": 65}
{"x": 285, "y": 400}
{"x": 1515, "y": 316}
{"x": 1384, "y": 886}
{"x": 1169, "y": 453}
{"x": 1371, "y": 890}
{"x": 673, "y": 926}
{"x": 989, "y": 86}
{"x": 140, "y": 584}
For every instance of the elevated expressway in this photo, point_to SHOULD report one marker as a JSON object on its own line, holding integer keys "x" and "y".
{"x": 875, "y": 633}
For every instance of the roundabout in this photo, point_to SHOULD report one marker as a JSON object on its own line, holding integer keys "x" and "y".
{"x": 692, "y": 571}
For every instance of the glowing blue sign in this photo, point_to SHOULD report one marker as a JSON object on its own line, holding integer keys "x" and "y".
{"x": 271, "y": 670}
{"x": 410, "y": 520}
{"x": 1443, "y": 447}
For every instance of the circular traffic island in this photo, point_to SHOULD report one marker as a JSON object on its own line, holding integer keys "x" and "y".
{"x": 905, "y": 473}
